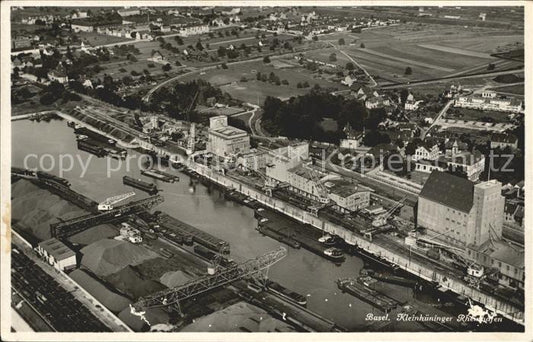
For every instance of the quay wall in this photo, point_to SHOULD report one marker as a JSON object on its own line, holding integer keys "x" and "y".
{"x": 424, "y": 271}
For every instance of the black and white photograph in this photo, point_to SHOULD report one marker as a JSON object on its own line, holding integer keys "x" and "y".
{"x": 171, "y": 169}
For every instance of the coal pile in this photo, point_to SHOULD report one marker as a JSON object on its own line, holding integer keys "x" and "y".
{"x": 108, "y": 256}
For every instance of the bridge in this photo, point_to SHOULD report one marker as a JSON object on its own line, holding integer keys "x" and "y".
{"x": 195, "y": 287}
{"x": 76, "y": 225}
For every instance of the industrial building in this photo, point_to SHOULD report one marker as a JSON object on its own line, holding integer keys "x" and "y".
{"x": 279, "y": 161}
{"x": 57, "y": 254}
{"x": 347, "y": 195}
{"x": 460, "y": 212}
{"x": 226, "y": 141}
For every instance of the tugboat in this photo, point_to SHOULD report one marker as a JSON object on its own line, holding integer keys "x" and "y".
{"x": 334, "y": 254}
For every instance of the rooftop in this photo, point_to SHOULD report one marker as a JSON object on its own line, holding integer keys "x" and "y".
{"x": 228, "y": 132}
{"x": 449, "y": 190}
{"x": 463, "y": 158}
{"x": 57, "y": 249}
{"x": 508, "y": 254}
{"x": 306, "y": 172}
{"x": 343, "y": 188}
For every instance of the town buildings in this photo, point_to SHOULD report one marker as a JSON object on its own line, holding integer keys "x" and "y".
{"x": 498, "y": 140}
{"x": 489, "y": 100}
{"x": 427, "y": 150}
{"x": 455, "y": 159}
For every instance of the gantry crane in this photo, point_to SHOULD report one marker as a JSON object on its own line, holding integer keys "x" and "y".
{"x": 173, "y": 297}
{"x": 108, "y": 203}
{"x": 322, "y": 193}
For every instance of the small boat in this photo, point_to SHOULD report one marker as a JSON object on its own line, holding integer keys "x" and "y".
{"x": 334, "y": 254}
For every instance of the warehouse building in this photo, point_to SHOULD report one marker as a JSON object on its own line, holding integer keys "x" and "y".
{"x": 57, "y": 254}
{"x": 460, "y": 212}
{"x": 226, "y": 141}
{"x": 279, "y": 161}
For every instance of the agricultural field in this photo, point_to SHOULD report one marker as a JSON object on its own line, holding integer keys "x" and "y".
{"x": 517, "y": 89}
{"x": 430, "y": 50}
{"x": 231, "y": 80}
{"x": 94, "y": 39}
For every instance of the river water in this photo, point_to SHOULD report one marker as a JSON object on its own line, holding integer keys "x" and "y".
{"x": 202, "y": 207}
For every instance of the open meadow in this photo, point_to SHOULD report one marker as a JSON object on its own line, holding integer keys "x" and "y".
{"x": 430, "y": 50}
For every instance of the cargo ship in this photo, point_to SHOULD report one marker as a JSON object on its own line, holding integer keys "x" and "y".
{"x": 279, "y": 237}
{"x": 141, "y": 185}
{"x": 374, "y": 259}
{"x": 210, "y": 256}
{"x": 48, "y": 176}
{"x": 281, "y": 291}
{"x": 204, "y": 252}
{"x": 158, "y": 174}
{"x": 392, "y": 279}
{"x": 88, "y": 146}
{"x": 235, "y": 196}
{"x": 367, "y": 294}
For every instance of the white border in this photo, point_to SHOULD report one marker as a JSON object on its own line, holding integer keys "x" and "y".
{"x": 5, "y": 188}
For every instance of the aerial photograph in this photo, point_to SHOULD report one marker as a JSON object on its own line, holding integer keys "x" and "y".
{"x": 339, "y": 169}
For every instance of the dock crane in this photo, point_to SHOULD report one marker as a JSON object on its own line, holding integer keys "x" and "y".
{"x": 381, "y": 220}
{"x": 191, "y": 139}
{"x": 173, "y": 296}
{"x": 269, "y": 183}
{"x": 322, "y": 193}
{"x": 108, "y": 203}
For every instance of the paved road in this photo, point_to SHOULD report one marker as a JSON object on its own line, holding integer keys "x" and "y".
{"x": 356, "y": 63}
{"x": 447, "y": 79}
{"x": 423, "y": 132}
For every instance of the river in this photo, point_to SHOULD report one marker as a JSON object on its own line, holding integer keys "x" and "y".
{"x": 202, "y": 207}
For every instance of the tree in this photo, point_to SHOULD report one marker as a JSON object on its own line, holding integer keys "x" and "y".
{"x": 315, "y": 38}
{"x": 333, "y": 57}
{"x": 491, "y": 66}
{"x": 285, "y": 82}
{"x": 167, "y": 67}
{"x": 224, "y": 66}
{"x": 341, "y": 41}
{"x": 350, "y": 66}
{"x": 408, "y": 71}
{"x": 178, "y": 40}
{"x": 222, "y": 51}
{"x": 362, "y": 46}
{"x": 266, "y": 59}
{"x": 199, "y": 46}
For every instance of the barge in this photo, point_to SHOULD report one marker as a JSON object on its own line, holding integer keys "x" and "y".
{"x": 392, "y": 279}
{"x": 282, "y": 291}
{"x": 160, "y": 175}
{"x": 150, "y": 188}
{"x": 279, "y": 237}
{"x": 376, "y": 260}
{"x": 366, "y": 294}
{"x": 88, "y": 146}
